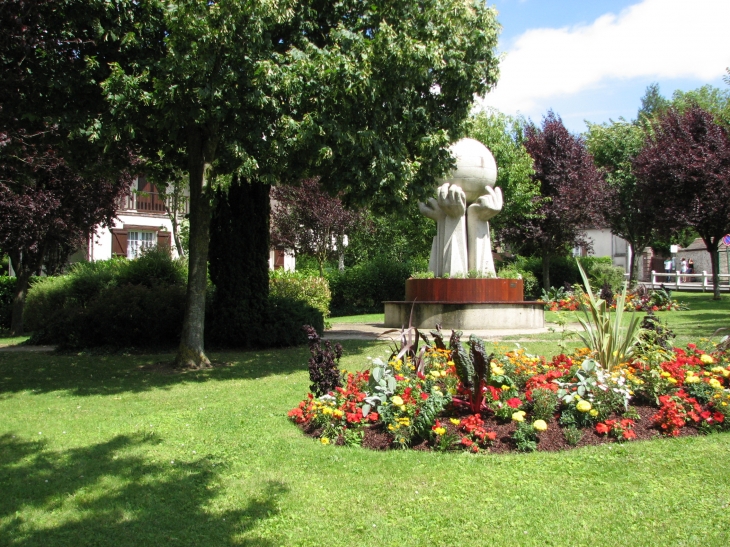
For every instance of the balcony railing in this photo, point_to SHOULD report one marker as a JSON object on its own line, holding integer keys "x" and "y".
{"x": 149, "y": 202}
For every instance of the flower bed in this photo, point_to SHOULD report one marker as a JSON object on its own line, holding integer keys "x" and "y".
{"x": 454, "y": 398}
{"x": 636, "y": 300}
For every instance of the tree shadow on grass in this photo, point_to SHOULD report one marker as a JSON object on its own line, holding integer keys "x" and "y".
{"x": 93, "y": 374}
{"x": 107, "y": 494}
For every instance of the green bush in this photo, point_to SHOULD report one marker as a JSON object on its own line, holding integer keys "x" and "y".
{"x": 116, "y": 302}
{"x": 283, "y": 326}
{"x": 531, "y": 287}
{"x": 600, "y": 273}
{"x": 563, "y": 270}
{"x": 7, "y": 288}
{"x": 364, "y": 287}
{"x": 305, "y": 286}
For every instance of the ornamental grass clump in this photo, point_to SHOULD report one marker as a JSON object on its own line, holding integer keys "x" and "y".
{"x": 603, "y": 333}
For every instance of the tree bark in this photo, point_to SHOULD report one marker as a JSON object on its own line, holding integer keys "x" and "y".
{"x": 712, "y": 246}
{"x": 22, "y": 276}
{"x": 546, "y": 271}
{"x": 191, "y": 353}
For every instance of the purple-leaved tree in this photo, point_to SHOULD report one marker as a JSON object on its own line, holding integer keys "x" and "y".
{"x": 685, "y": 173}
{"x": 572, "y": 194}
{"x": 310, "y": 221}
{"x": 46, "y": 206}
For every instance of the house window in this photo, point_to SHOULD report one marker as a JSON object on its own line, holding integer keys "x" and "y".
{"x": 137, "y": 241}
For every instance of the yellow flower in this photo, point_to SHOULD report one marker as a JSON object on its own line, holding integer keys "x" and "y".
{"x": 715, "y": 383}
{"x": 338, "y": 413}
{"x": 593, "y": 412}
{"x": 583, "y": 406}
{"x": 397, "y": 401}
{"x": 455, "y": 421}
{"x": 717, "y": 370}
{"x": 324, "y": 440}
{"x": 539, "y": 425}
{"x": 706, "y": 373}
{"x": 505, "y": 388}
{"x": 707, "y": 359}
{"x": 327, "y": 411}
{"x": 496, "y": 369}
{"x": 519, "y": 416}
{"x": 672, "y": 380}
{"x": 664, "y": 374}
{"x": 692, "y": 379}
{"x": 439, "y": 430}
{"x": 723, "y": 404}
{"x": 726, "y": 373}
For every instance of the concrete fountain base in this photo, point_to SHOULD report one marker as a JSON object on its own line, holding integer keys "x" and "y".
{"x": 465, "y": 304}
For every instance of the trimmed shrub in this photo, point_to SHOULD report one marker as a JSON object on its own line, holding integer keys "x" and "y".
{"x": 529, "y": 282}
{"x": 363, "y": 288}
{"x": 563, "y": 270}
{"x": 284, "y": 322}
{"x": 304, "y": 286}
{"x": 116, "y": 302}
{"x": 605, "y": 273}
{"x": 239, "y": 263}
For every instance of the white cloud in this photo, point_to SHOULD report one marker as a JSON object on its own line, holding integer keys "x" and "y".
{"x": 655, "y": 39}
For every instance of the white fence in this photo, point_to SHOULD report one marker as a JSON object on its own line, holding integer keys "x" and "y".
{"x": 697, "y": 280}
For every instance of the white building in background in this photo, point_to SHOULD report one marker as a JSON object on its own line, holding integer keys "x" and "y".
{"x": 142, "y": 221}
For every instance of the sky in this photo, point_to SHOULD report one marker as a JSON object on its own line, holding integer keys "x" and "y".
{"x": 593, "y": 59}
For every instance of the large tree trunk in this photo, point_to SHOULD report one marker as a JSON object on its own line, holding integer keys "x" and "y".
{"x": 712, "y": 245}
{"x": 191, "y": 353}
{"x": 22, "y": 275}
{"x": 546, "y": 271}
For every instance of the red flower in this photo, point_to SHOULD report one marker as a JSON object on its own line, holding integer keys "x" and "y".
{"x": 373, "y": 416}
{"x": 718, "y": 417}
{"x": 424, "y": 395}
{"x": 602, "y": 428}
{"x": 514, "y": 402}
{"x": 491, "y": 435}
{"x": 629, "y": 434}
{"x": 466, "y": 441}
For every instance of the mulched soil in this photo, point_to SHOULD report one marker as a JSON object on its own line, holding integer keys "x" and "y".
{"x": 552, "y": 440}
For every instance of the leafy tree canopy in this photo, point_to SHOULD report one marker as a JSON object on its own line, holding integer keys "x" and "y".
{"x": 685, "y": 174}
{"x": 504, "y": 136}
{"x": 572, "y": 193}
{"x": 365, "y": 95}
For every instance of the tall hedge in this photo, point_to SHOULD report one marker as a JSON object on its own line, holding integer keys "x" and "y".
{"x": 7, "y": 289}
{"x": 239, "y": 264}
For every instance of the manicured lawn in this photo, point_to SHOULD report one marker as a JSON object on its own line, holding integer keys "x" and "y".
{"x": 7, "y": 340}
{"x": 377, "y": 318}
{"x": 107, "y": 450}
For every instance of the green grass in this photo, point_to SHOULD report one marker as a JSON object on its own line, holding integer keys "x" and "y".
{"x": 7, "y": 340}
{"x": 103, "y": 450}
{"x": 378, "y": 318}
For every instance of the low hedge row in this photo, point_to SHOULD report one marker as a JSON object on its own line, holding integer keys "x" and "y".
{"x": 140, "y": 303}
{"x": 364, "y": 287}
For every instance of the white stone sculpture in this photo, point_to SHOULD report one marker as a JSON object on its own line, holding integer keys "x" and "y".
{"x": 465, "y": 201}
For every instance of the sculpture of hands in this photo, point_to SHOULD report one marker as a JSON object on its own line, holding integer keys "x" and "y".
{"x": 452, "y": 200}
{"x": 431, "y": 209}
{"x": 488, "y": 205}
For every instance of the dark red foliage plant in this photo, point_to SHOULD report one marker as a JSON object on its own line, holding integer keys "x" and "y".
{"x": 46, "y": 206}
{"x": 324, "y": 372}
{"x": 684, "y": 171}
{"x": 573, "y": 194}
